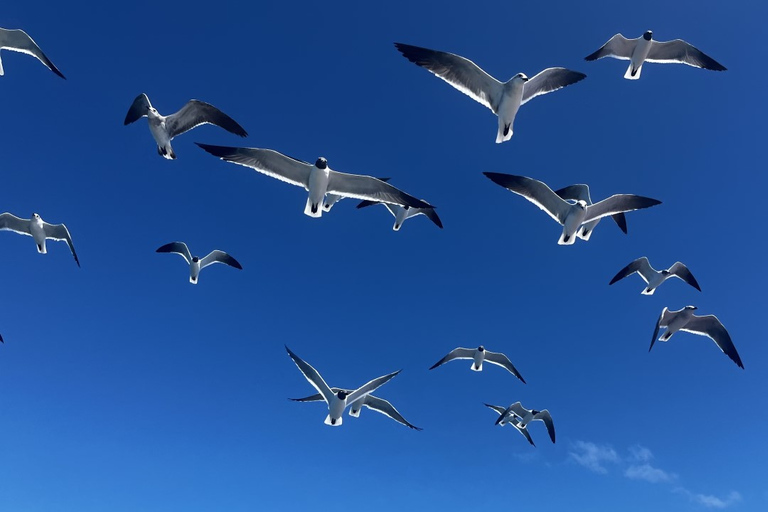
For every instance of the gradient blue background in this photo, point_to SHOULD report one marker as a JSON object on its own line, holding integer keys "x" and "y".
{"x": 124, "y": 388}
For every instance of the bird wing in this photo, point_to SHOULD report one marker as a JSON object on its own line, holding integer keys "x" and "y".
{"x": 313, "y": 377}
{"x": 575, "y": 192}
{"x": 621, "y": 220}
{"x": 535, "y": 191}
{"x": 522, "y": 430}
{"x": 431, "y": 214}
{"x": 549, "y": 80}
{"x": 197, "y": 112}
{"x": 457, "y": 353}
{"x": 10, "y": 222}
{"x": 499, "y": 409}
{"x": 317, "y": 397}
{"x": 266, "y": 161}
{"x": 617, "y": 204}
{"x": 681, "y": 271}
{"x": 618, "y": 47}
{"x": 218, "y": 256}
{"x": 710, "y": 326}
{"x": 179, "y": 248}
{"x": 518, "y": 409}
{"x": 461, "y": 73}
{"x": 663, "y": 321}
{"x": 370, "y": 188}
{"x": 503, "y": 361}
{"x": 370, "y": 387}
{"x": 138, "y": 109}
{"x": 19, "y": 41}
{"x": 60, "y": 232}
{"x": 640, "y": 265}
{"x": 386, "y": 408}
{"x": 547, "y": 419}
{"x": 678, "y": 50}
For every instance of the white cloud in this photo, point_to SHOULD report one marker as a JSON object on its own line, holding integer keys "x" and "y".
{"x": 711, "y": 501}
{"x": 640, "y": 453}
{"x": 592, "y": 456}
{"x": 648, "y": 473}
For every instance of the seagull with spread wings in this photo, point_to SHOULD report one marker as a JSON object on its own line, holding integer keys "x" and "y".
{"x": 652, "y": 277}
{"x": 580, "y": 192}
{"x": 371, "y": 402}
{"x": 191, "y": 115}
{"x": 504, "y": 99}
{"x": 478, "y": 355}
{"x": 196, "y": 264}
{"x": 525, "y": 416}
{"x": 645, "y": 49}
{"x": 38, "y": 229}
{"x": 510, "y": 419}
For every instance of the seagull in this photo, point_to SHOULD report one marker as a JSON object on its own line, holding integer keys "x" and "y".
{"x": 38, "y": 229}
{"x": 332, "y": 199}
{"x": 510, "y": 419}
{"x": 645, "y": 49}
{"x": 571, "y": 216}
{"x": 337, "y": 400}
{"x": 504, "y": 99}
{"x": 369, "y": 401}
{"x": 654, "y": 277}
{"x": 581, "y": 192}
{"x": 479, "y": 355}
{"x": 191, "y": 115}
{"x": 709, "y": 326}
{"x": 401, "y": 213}
{"x": 197, "y": 264}
{"x": 317, "y": 179}
{"x": 525, "y": 416}
{"x": 19, "y": 41}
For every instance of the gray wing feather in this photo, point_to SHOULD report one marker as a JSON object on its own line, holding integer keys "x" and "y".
{"x": 386, "y": 408}
{"x": 266, "y": 161}
{"x": 461, "y": 73}
{"x": 547, "y": 419}
{"x": 535, "y": 191}
{"x": 710, "y": 326}
{"x": 681, "y": 271}
{"x": 218, "y": 256}
{"x": 618, "y": 203}
{"x": 317, "y": 397}
{"x": 10, "y": 222}
{"x": 138, "y": 109}
{"x": 179, "y": 248}
{"x": 19, "y": 41}
{"x": 499, "y": 409}
{"x": 60, "y": 232}
{"x": 370, "y": 387}
{"x": 550, "y": 80}
{"x": 197, "y": 112}
{"x": 523, "y": 431}
{"x": 503, "y": 361}
{"x": 682, "y": 52}
{"x": 658, "y": 326}
{"x": 576, "y": 192}
{"x": 640, "y": 265}
{"x": 618, "y": 47}
{"x": 432, "y": 215}
{"x": 312, "y": 376}
{"x": 457, "y": 353}
{"x": 370, "y": 188}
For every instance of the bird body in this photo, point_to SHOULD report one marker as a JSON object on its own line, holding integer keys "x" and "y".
{"x": 524, "y": 416}
{"x": 478, "y": 356}
{"x": 39, "y": 230}
{"x": 196, "y": 264}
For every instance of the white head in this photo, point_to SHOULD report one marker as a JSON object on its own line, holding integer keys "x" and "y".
{"x": 520, "y": 76}
{"x": 690, "y": 308}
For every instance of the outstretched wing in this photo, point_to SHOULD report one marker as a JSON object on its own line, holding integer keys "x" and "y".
{"x": 179, "y": 248}
{"x": 461, "y": 73}
{"x": 547, "y": 419}
{"x": 19, "y": 41}
{"x": 386, "y": 408}
{"x": 499, "y": 409}
{"x": 710, "y": 326}
{"x": 663, "y": 320}
{"x": 681, "y": 271}
{"x": 312, "y": 376}
{"x": 535, "y": 191}
{"x": 138, "y": 109}
{"x": 640, "y": 265}
{"x": 457, "y": 353}
{"x": 370, "y": 387}
{"x": 618, "y": 203}
{"x": 618, "y": 47}
{"x": 218, "y": 256}
{"x": 60, "y": 232}
{"x": 503, "y": 361}
{"x": 317, "y": 397}
{"x": 266, "y": 161}
{"x": 10, "y": 222}
{"x": 371, "y": 189}
{"x": 550, "y": 80}
{"x": 522, "y": 430}
{"x": 681, "y": 52}
{"x": 197, "y": 112}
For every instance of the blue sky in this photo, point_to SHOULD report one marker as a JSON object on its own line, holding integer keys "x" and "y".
{"x": 126, "y": 388}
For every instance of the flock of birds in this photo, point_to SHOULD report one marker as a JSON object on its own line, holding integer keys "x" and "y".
{"x": 571, "y": 207}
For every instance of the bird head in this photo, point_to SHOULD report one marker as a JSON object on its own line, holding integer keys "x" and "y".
{"x": 522, "y": 77}
{"x": 195, "y": 259}
{"x": 665, "y": 272}
{"x": 342, "y": 394}
{"x": 480, "y": 348}
{"x": 691, "y": 308}
{"x": 321, "y": 163}
{"x": 648, "y": 35}
{"x": 35, "y": 216}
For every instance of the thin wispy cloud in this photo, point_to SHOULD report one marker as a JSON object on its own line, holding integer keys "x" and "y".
{"x": 710, "y": 501}
{"x": 648, "y": 473}
{"x": 593, "y": 456}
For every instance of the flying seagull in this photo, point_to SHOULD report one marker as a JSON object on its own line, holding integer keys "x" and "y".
{"x": 317, "y": 179}
{"x": 197, "y": 264}
{"x": 478, "y": 355}
{"x": 570, "y": 216}
{"x": 581, "y": 193}
{"x": 369, "y": 401}
{"x": 332, "y": 199}
{"x": 653, "y": 277}
{"x": 18, "y": 41}
{"x": 709, "y": 326}
{"x": 401, "y": 213}
{"x": 645, "y": 49}
{"x": 38, "y": 229}
{"x": 504, "y": 99}
{"x": 525, "y": 416}
{"x": 191, "y": 115}
{"x": 510, "y": 419}
{"x": 337, "y": 400}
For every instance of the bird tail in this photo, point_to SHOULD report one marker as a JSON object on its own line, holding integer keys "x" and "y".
{"x": 629, "y": 76}
{"x": 336, "y": 423}
{"x": 477, "y": 369}
{"x": 315, "y": 210}
{"x": 354, "y": 413}
{"x": 648, "y": 291}
{"x": 504, "y": 133}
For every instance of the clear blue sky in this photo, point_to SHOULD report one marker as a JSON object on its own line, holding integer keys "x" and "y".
{"x": 123, "y": 387}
